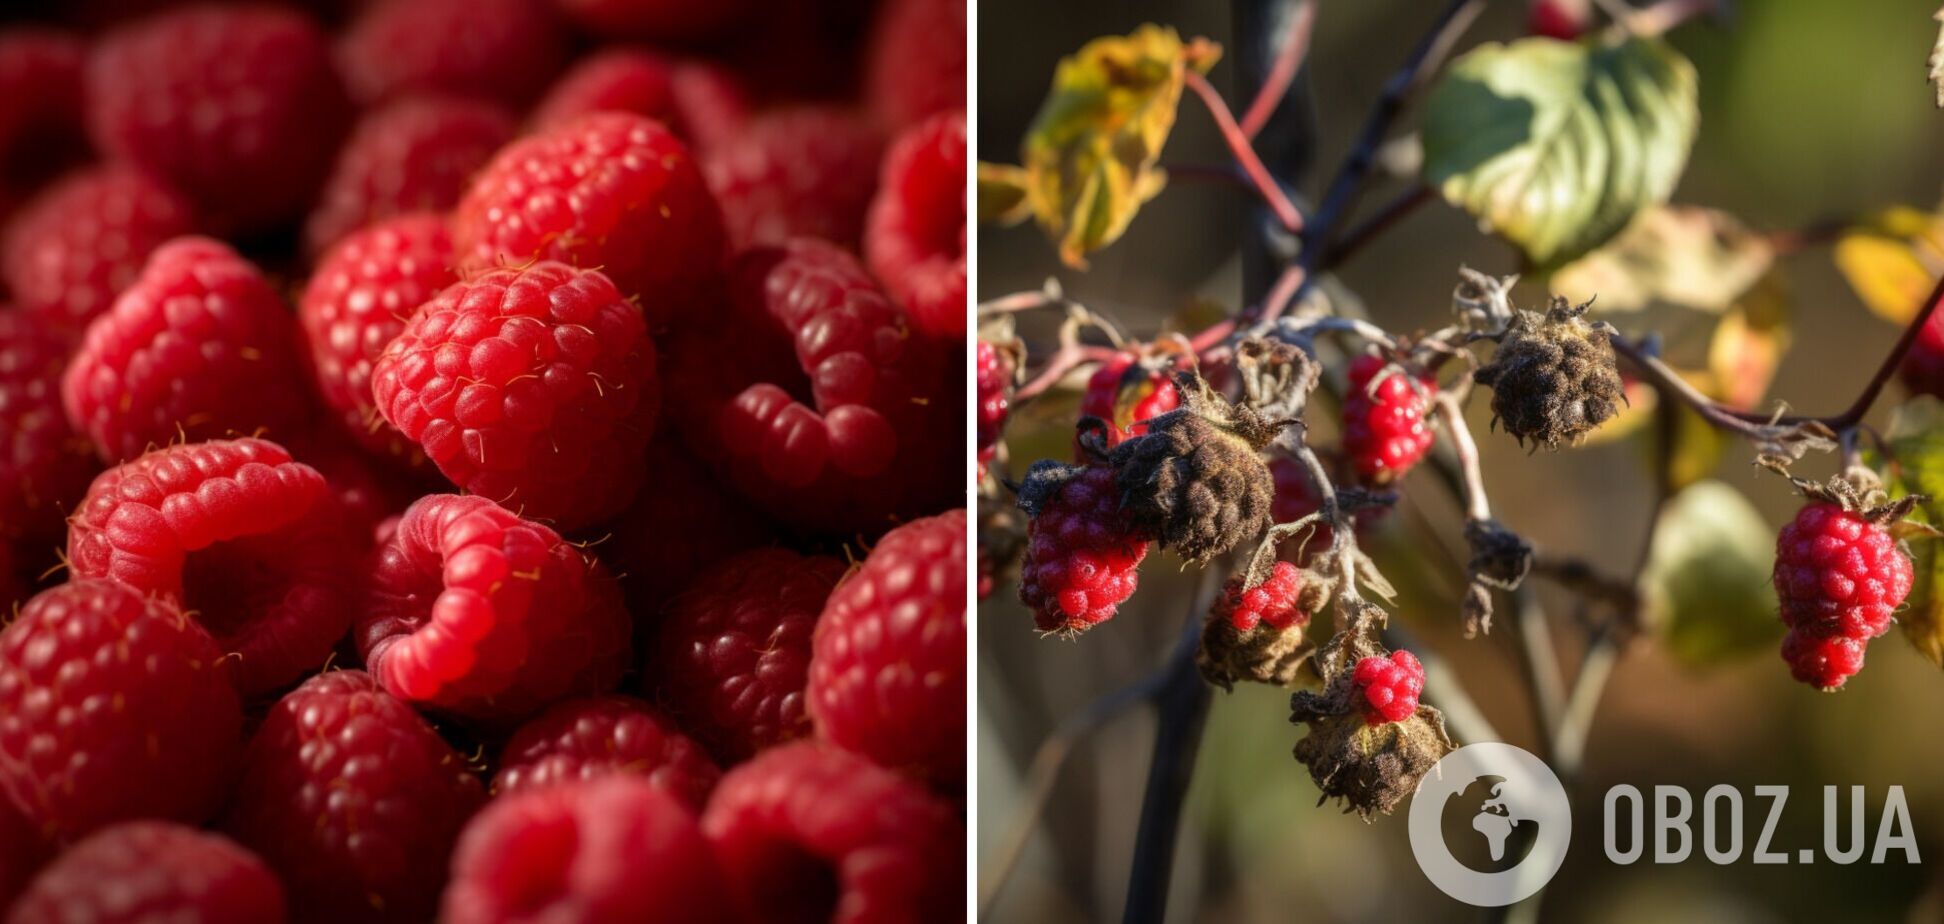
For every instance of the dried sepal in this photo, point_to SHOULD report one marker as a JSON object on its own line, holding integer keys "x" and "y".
{"x": 1277, "y": 377}
{"x": 1265, "y": 654}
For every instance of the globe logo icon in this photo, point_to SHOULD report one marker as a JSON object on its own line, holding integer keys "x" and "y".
{"x": 1489, "y": 824}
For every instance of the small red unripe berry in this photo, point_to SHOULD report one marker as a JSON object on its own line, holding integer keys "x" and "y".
{"x": 1390, "y": 686}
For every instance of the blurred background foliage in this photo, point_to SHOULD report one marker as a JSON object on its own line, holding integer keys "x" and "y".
{"x": 1811, "y": 110}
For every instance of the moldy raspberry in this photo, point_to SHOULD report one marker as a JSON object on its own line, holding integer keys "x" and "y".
{"x": 1554, "y": 377}
{"x": 1127, "y": 397}
{"x": 113, "y": 705}
{"x": 535, "y": 387}
{"x": 147, "y": 871}
{"x": 1839, "y": 577}
{"x": 1255, "y": 632}
{"x": 581, "y": 739}
{"x": 1082, "y": 550}
{"x": 1384, "y": 431}
{"x": 1196, "y": 479}
{"x": 78, "y": 243}
{"x": 1390, "y": 686}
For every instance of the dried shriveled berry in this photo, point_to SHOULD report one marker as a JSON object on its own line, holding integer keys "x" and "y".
{"x": 1196, "y": 479}
{"x": 1554, "y": 377}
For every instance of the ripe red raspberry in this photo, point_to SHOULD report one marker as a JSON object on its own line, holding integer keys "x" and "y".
{"x": 915, "y": 240}
{"x": 1822, "y": 661}
{"x": 653, "y": 562}
{"x": 477, "y": 612}
{"x": 357, "y": 302}
{"x": 237, "y": 106}
{"x": 113, "y": 705}
{"x": 147, "y": 871}
{"x": 1922, "y": 370}
{"x": 581, "y": 739}
{"x": 1125, "y": 397}
{"x": 612, "y": 191}
{"x": 614, "y": 850}
{"x": 995, "y": 387}
{"x": 1390, "y": 686}
{"x": 535, "y": 387}
{"x": 803, "y": 172}
{"x": 499, "y": 50}
{"x": 678, "y": 21}
{"x": 354, "y": 800}
{"x": 809, "y": 391}
{"x": 41, "y": 130}
{"x": 809, "y": 833}
{"x": 413, "y": 155}
{"x": 1384, "y": 431}
{"x": 1081, "y": 555}
{"x": 701, "y": 102}
{"x": 45, "y": 466}
{"x": 733, "y": 655}
{"x": 1560, "y": 19}
{"x": 1273, "y": 601}
{"x": 917, "y": 60}
{"x": 199, "y": 346}
{"x": 239, "y": 535}
{"x": 887, "y": 673}
{"x": 71, "y": 249}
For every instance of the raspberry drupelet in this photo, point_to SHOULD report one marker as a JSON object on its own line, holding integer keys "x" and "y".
{"x": 534, "y": 387}
{"x": 1271, "y": 603}
{"x": 1384, "y": 430}
{"x": 1390, "y": 686}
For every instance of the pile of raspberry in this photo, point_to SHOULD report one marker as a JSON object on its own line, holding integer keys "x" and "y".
{"x": 483, "y": 461}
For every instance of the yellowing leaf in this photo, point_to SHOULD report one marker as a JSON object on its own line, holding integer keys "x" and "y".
{"x": 1748, "y": 345}
{"x": 1917, "y": 443}
{"x": 1090, "y": 156}
{"x": 1002, "y": 194}
{"x": 1678, "y": 255}
{"x": 1892, "y": 259}
{"x": 1707, "y": 577}
{"x": 1556, "y": 146}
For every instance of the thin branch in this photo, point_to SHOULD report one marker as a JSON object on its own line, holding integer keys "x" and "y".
{"x": 1288, "y": 61}
{"x": 1353, "y": 241}
{"x": 1477, "y": 507}
{"x": 1541, "y": 664}
{"x": 1245, "y": 155}
{"x": 1181, "y": 704}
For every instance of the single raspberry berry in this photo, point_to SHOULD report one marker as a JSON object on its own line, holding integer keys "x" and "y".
{"x": 613, "y": 850}
{"x": 41, "y": 125}
{"x": 237, "y": 106}
{"x": 887, "y": 673}
{"x": 1081, "y": 554}
{"x": 1838, "y": 573}
{"x": 239, "y": 535}
{"x": 45, "y": 466}
{"x": 609, "y": 191}
{"x": 71, "y": 249}
{"x": 915, "y": 240}
{"x": 701, "y": 102}
{"x": 995, "y": 395}
{"x": 806, "y": 833}
{"x": 803, "y": 172}
{"x": 1922, "y": 370}
{"x": 810, "y": 392}
{"x": 1565, "y": 20}
{"x": 653, "y": 562}
{"x": 581, "y": 739}
{"x": 499, "y": 50}
{"x": 733, "y": 655}
{"x": 1272, "y": 602}
{"x": 199, "y": 346}
{"x": 1554, "y": 378}
{"x": 1127, "y": 397}
{"x": 680, "y": 21}
{"x": 1384, "y": 431}
{"x": 535, "y": 387}
{"x": 146, "y": 871}
{"x": 113, "y": 705}
{"x": 1390, "y": 686}
{"x": 357, "y": 302}
{"x": 354, "y": 800}
{"x": 413, "y": 155}
{"x": 477, "y": 612}
{"x": 1822, "y": 661}
{"x": 1196, "y": 480}
{"x": 917, "y": 60}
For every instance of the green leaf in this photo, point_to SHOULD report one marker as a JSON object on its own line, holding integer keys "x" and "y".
{"x": 1917, "y": 446}
{"x": 1707, "y": 578}
{"x": 1556, "y": 146}
{"x": 1678, "y": 255}
{"x": 1090, "y": 155}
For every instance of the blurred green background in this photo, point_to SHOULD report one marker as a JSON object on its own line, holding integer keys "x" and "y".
{"x": 1811, "y": 109}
